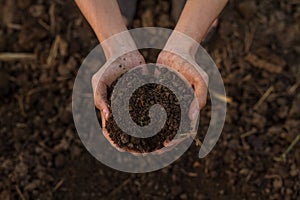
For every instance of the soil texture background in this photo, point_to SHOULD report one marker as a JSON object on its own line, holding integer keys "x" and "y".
{"x": 256, "y": 48}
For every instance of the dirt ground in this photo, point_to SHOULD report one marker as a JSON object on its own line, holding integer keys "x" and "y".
{"x": 256, "y": 48}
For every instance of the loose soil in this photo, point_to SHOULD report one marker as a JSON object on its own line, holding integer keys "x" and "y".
{"x": 256, "y": 48}
{"x": 139, "y": 105}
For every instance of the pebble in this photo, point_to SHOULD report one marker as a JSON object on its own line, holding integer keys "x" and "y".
{"x": 247, "y": 8}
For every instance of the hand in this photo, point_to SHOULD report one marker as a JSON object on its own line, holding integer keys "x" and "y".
{"x": 102, "y": 79}
{"x": 195, "y": 79}
{"x": 178, "y": 54}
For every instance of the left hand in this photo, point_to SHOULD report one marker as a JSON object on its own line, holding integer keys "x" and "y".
{"x": 191, "y": 74}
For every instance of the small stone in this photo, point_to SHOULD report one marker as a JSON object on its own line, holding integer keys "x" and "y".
{"x": 247, "y": 8}
{"x": 196, "y": 164}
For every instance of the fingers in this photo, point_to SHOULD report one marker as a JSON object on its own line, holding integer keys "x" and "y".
{"x": 105, "y": 77}
{"x": 194, "y": 110}
{"x": 169, "y": 145}
{"x": 174, "y": 142}
{"x": 195, "y": 76}
{"x": 100, "y": 99}
{"x": 200, "y": 89}
{"x": 198, "y": 102}
{"x": 106, "y": 135}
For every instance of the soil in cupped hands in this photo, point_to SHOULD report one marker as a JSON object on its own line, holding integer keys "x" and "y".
{"x": 142, "y": 99}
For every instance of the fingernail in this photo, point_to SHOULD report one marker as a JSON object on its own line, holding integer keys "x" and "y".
{"x": 194, "y": 114}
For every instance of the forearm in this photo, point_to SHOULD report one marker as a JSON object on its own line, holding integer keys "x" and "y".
{"x": 197, "y": 16}
{"x": 106, "y": 20}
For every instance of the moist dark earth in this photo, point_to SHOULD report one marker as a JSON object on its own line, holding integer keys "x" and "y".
{"x": 141, "y": 101}
{"x": 256, "y": 48}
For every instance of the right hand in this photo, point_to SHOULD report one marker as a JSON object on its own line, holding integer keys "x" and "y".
{"x": 103, "y": 79}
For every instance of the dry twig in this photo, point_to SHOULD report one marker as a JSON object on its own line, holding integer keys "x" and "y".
{"x": 287, "y": 151}
{"x": 53, "y": 51}
{"x": 58, "y": 185}
{"x": 20, "y": 193}
{"x": 263, "y": 64}
{"x": 7, "y": 56}
{"x": 264, "y": 96}
{"x": 251, "y": 132}
{"x": 222, "y": 97}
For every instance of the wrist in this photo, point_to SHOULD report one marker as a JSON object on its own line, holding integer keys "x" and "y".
{"x": 118, "y": 44}
{"x": 181, "y": 44}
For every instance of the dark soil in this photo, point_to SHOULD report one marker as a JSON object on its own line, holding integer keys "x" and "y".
{"x": 139, "y": 105}
{"x": 256, "y": 48}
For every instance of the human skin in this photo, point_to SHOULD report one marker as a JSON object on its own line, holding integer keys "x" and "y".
{"x": 105, "y": 18}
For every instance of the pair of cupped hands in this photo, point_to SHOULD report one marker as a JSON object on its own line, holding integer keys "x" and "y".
{"x": 178, "y": 54}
